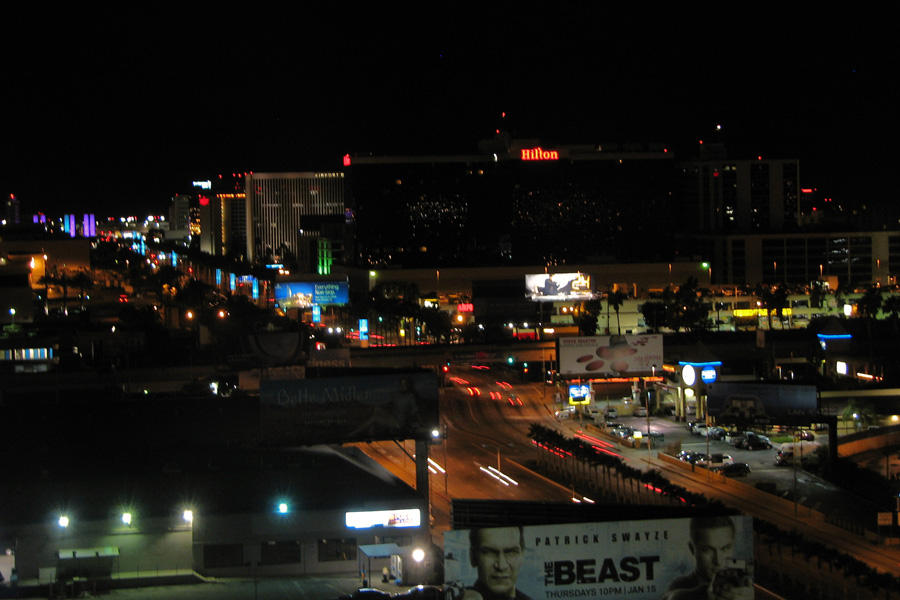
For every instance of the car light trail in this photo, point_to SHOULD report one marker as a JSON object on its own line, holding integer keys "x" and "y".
{"x": 503, "y": 475}
{"x": 593, "y": 440}
{"x": 436, "y": 466}
{"x": 498, "y": 478}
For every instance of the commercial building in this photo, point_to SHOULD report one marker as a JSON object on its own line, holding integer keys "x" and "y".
{"x": 514, "y": 202}
{"x": 851, "y": 258}
{"x": 293, "y": 218}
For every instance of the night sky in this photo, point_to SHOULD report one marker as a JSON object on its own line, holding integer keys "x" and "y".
{"x": 116, "y": 113}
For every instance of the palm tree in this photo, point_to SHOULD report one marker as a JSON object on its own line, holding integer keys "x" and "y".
{"x": 615, "y": 300}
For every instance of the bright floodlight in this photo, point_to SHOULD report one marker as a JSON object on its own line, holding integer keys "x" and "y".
{"x": 418, "y": 555}
{"x": 435, "y": 433}
{"x": 63, "y": 521}
{"x": 282, "y": 508}
{"x": 126, "y": 518}
{"x": 188, "y": 516}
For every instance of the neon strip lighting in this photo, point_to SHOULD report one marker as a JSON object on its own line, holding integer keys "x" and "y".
{"x": 834, "y": 336}
{"x": 712, "y": 363}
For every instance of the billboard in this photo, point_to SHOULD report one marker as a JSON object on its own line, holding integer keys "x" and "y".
{"x": 303, "y": 294}
{"x": 609, "y": 355}
{"x": 636, "y": 560}
{"x": 558, "y": 287}
{"x": 333, "y": 410}
{"x": 760, "y": 402}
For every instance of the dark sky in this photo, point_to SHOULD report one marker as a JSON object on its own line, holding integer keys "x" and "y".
{"x": 116, "y": 112}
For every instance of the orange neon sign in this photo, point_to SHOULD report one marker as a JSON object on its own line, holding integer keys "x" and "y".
{"x": 539, "y": 154}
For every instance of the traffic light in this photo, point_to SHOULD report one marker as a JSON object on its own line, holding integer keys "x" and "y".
{"x": 445, "y": 367}
{"x": 510, "y": 360}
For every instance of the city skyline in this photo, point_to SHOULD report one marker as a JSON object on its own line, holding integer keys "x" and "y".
{"x": 107, "y": 118}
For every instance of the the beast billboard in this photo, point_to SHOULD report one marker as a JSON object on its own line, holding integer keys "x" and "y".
{"x": 333, "y": 410}
{"x": 610, "y": 355}
{"x": 703, "y": 557}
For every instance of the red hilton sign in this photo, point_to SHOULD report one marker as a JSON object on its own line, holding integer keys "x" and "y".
{"x": 539, "y": 154}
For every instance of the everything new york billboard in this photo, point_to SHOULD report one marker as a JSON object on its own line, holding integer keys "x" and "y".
{"x": 303, "y": 294}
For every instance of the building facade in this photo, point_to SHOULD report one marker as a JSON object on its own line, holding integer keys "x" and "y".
{"x": 287, "y": 214}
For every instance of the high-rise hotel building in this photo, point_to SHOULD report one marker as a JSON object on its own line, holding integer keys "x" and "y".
{"x": 293, "y": 218}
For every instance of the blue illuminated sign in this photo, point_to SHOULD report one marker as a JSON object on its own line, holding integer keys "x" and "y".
{"x": 363, "y": 329}
{"x": 301, "y": 294}
{"x": 316, "y": 313}
{"x": 708, "y": 375}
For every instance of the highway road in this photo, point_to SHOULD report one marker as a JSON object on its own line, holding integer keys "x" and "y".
{"x": 485, "y": 430}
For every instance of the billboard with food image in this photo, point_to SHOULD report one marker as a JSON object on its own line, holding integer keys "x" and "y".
{"x": 609, "y": 355}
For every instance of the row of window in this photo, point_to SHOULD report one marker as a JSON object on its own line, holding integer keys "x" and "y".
{"x": 278, "y": 553}
{"x": 26, "y": 354}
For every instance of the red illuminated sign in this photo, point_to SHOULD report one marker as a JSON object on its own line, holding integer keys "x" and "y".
{"x": 204, "y": 201}
{"x": 539, "y": 154}
{"x": 346, "y": 160}
{"x": 464, "y": 307}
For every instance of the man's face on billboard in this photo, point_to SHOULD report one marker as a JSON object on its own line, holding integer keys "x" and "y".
{"x": 499, "y": 558}
{"x": 712, "y": 549}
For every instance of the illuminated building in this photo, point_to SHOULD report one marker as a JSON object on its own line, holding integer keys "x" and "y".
{"x": 290, "y": 214}
{"x": 725, "y": 196}
{"x": 514, "y": 202}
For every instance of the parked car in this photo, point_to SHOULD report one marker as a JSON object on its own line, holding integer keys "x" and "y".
{"x": 421, "y": 592}
{"x": 700, "y": 430}
{"x": 612, "y": 413}
{"x": 735, "y": 469}
{"x": 658, "y": 436}
{"x": 715, "y": 461}
{"x": 367, "y": 594}
{"x": 640, "y": 411}
{"x": 690, "y": 456}
{"x": 611, "y": 425}
{"x": 623, "y": 432}
{"x": 715, "y": 433}
{"x": 734, "y": 437}
{"x": 807, "y": 435}
{"x": 784, "y": 457}
{"x": 754, "y": 441}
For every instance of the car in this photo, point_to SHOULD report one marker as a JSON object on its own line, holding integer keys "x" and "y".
{"x": 806, "y": 435}
{"x": 784, "y": 457}
{"x": 367, "y": 593}
{"x": 613, "y": 425}
{"x": 515, "y": 401}
{"x": 657, "y": 436}
{"x": 734, "y": 437}
{"x": 700, "y": 430}
{"x": 640, "y": 411}
{"x": 737, "y": 469}
{"x": 715, "y": 433}
{"x": 715, "y": 461}
{"x": 612, "y": 413}
{"x": 421, "y": 592}
{"x": 565, "y": 413}
{"x": 691, "y": 424}
{"x": 690, "y": 456}
{"x": 755, "y": 442}
{"x": 623, "y": 432}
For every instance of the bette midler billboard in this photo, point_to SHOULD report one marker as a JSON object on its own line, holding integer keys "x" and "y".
{"x": 357, "y": 408}
{"x": 701, "y": 557}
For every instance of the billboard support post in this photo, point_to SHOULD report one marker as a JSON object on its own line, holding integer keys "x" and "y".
{"x": 422, "y": 474}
